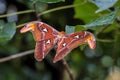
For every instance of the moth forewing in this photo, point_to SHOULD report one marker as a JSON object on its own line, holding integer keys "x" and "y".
{"x": 71, "y": 41}
{"x": 46, "y": 38}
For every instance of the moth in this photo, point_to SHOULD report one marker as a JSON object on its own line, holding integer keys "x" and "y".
{"x": 47, "y": 37}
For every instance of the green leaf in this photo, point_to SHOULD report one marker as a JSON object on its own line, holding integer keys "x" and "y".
{"x": 103, "y": 4}
{"x": 111, "y": 27}
{"x": 79, "y": 28}
{"x": 7, "y": 31}
{"x": 40, "y": 6}
{"x": 52, "y": 1}
{"x": 69, "y": 29}
{"x": 117, "y": 3}
{"x": 102, "y": 21}
{"x": 86, "y": 11}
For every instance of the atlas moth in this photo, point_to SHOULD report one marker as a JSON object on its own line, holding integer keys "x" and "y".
{"x": 47, "y": 37}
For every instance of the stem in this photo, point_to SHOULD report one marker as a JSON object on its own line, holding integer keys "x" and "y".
{"x": 42, "y": 13}
{"x": 59, "y": 8}
{"x": 104, "y": 40}
{"x": 17, "y": 55}
{"x": 67, "y": 69}
{"x": 102, "y": 29}
{"x": 21, "y": 25}
{"x": 20, "y": 12}
{"x": 45, "y": 12}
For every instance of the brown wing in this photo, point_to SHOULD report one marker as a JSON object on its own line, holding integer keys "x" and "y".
{"x": 71, "y": 41}
{"x": 43, "y": 47}
{"x": 46, "y": 38}
{"x": 39, "y": 51}
{"x": 44, "y": 35}
{"x": 43, "y": 31}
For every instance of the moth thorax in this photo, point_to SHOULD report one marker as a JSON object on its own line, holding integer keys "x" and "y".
{"x": 61, "y": 34}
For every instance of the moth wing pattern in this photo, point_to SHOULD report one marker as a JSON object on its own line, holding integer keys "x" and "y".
{"x": 47, "y": 31}
{"x": 46, "y": 38}
{"x": 43, "y": 47}
{"x": 39, "y": 51}
{"x": 41, "y": 31}
{"x": 71, "y": 41}
{"x": 44, "y": 35}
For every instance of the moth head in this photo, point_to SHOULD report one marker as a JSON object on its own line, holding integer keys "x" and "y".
{"x": 91, "y": 41}
{"x": 29, "y": 27}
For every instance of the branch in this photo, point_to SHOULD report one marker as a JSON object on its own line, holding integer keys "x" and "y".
{"x": 102, "y": 29}
{"x": 105, "y": 40}
{"x": 45, "y": 12}
{"x": 67, "y": 69}
{"x": 42, "y": 13}
{"x": 59, "y": 8}
{"x": 21, "y": 25}
{"x": 20, "y": 12}
{"x": 17, "y": 55}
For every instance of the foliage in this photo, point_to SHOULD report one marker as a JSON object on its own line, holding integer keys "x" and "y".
{"x": 7, "y": 30}
{"x": 101, "y": 17}
{"x": 102, "y": 21}
{"x": 103, "y": 5}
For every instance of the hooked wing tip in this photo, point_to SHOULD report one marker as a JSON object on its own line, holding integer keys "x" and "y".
{"x": 91, "y": 41}
{"x": 22, "y": 30}
{"x": 25, "y": 29}
{"x": 92, "y": 45}
{"x": 28, "y": 27}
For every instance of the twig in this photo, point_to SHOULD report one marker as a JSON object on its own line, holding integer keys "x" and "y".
{"x": 21, "y": 25}
{"x": 42, "y": 13}
{"x": 17, "y": 55}
{"x": 68, "y": 69}
{"x": 59, "y": 8}
{"x": 102, "y": 29}
{"x": 105, "y": 40}
{"x": 20, "y": 12}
